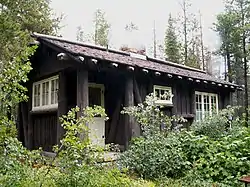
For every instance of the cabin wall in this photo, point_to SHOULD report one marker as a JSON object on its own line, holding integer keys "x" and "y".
{"x": 42, "y": 128}
{"x": 46, "y": 64}
{"x": 123, "y": 87}
{"x": 184, "y": 94}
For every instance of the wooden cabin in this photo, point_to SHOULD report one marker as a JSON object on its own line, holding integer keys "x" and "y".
{"x": 67, "y": 74}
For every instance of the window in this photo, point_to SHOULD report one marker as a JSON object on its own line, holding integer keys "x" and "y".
{"x": 45, "y": 94}
{"x": 96, "y": 94}
{"x": 206, "y": 104}
{"x": 163, "y": 94}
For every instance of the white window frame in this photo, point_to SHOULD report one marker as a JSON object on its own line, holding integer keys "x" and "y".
{"x": 44, "y": 107}
{"x": 163, "y": 102}
{"x": 210, "y": 103}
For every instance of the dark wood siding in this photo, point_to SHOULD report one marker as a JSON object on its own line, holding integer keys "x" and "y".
{"x": 45, "y": 128}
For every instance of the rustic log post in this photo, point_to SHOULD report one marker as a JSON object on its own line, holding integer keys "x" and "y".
{"x": 137, "y": 94}
{"x": 175, "y": 104}
{"x": 114, "y": 121}
{"x": 82, "y": 93}
{"x": 62, "y": 105}
{"x": 82, "y": 89}
{"x": 129, "y": 101}
{"x": 221, "y": 102}
{"x": 193, "y": 101}
{"x": 136, "y": 127}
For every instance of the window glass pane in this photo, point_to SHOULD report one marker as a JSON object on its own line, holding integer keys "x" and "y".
{"x": 37, "y": 95}
{"x": 45, "y": 93}
{"x": 198, "y": 104}
{"x": 54, "y": 91}
{"x": 214, "y": 104}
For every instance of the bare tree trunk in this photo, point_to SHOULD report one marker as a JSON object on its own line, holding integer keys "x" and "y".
{"x": 154, "y": 41}
{"x": 245, "y": 64}
{"x": 202, "y": 47}
{"x": 229, "y": 68}
{"x": 185, "y": 32}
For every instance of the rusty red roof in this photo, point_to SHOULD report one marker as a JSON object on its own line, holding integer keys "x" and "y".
{"x": 120, "y": 57}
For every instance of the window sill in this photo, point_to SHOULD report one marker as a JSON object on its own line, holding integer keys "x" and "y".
{"x": 47, "y": 109}
{"x": 164, "y": 103}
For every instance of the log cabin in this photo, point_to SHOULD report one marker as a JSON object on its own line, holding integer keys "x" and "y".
{"x": 66, "y": 74}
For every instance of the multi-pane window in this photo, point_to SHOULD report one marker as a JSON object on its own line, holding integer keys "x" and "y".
{"x": 206, "y": 104}
{"x": 163, "y": 94}
{"x": 45, "y": 94}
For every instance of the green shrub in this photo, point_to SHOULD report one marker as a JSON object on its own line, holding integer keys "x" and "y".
{"x": 218, "y": 125}
{"x": 76, "y": 162}
{"x": 216, "y": 150}
{"x": 155, "y": 157}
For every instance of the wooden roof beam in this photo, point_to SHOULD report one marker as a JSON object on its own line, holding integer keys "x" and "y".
{"x": 81, "y": 58}
{"x": 62, "y": 56}
{"x": 145, "y": 70}
{"x": 131, "y": 68}
{"x": 157, "y": 73}
{"x": 95, "y": 61}
{"x": 114, "y": 65}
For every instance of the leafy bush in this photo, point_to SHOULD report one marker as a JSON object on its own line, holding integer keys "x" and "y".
{"x": 150, "y": 117}
{"x": 179, "y": 154}
{"x": 217, "y": 150}
{"x": 155, "y": 157}
{"x": 75, "y": 164}
{"x": 218, "y": 125}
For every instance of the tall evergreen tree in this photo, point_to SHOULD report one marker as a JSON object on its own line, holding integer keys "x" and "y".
{"x": 233, "y": 29}
{"x": 172, "y": 46}
{"x": 18, "y": 19}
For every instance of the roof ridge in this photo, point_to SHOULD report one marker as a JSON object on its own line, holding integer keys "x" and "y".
{"x": 160, "y": 61}
{"x": 35, "y": 34}
{"x": 175, "y": 64}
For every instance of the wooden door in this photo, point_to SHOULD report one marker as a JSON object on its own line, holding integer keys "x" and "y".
{"x": 97, "y": 128}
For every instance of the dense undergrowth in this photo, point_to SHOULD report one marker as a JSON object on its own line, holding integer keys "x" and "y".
{"x": 77, "y": 162}
{"x": 214, "y": 152}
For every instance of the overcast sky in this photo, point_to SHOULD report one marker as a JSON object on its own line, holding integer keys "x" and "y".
{"x": 141, "y": 12}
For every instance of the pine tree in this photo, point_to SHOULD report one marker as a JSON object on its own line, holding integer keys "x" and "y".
{"x": 172, "y": 46}
{"x": 232, "y": 27}
{"x": 18, "y": 19}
